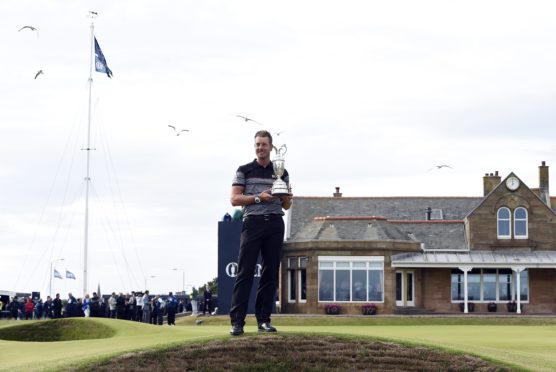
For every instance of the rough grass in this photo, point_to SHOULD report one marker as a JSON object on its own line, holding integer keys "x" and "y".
{"x": 56, "y": 330}
{"x": 294, "y": 353}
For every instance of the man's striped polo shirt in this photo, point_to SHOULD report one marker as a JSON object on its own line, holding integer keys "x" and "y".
{"x": 255, "y": 179}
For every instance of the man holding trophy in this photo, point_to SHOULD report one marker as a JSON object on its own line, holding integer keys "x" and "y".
{"x": 261, "y": 187}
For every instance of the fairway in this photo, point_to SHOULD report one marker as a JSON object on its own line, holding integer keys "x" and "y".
{"x": 528, "y": 347}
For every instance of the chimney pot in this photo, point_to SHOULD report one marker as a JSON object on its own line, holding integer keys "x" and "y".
{"x": 337, "y": 194}
{"x": 543, "y": 184}
{"x": 490, "y": 181}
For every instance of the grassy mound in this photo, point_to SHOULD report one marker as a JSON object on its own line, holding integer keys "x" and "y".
{"x": 294, "y": 353}
{"x": 57, "y": 330}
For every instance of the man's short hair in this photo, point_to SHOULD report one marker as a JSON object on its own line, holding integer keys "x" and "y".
{"x": 264, "y": 133}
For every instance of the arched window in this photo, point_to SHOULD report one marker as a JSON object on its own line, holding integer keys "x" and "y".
{"x": 504, "y": 223}
{"x": 520, "y": 223}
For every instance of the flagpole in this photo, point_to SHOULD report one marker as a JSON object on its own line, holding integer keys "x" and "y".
{"x": 92, "y": 15}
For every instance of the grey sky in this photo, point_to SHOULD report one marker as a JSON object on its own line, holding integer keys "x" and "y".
{"x": 370, "y": 94}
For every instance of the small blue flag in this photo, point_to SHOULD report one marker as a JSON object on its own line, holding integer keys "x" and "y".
{"x": 57, "y": 274}
{"x": 69, "y": 275}
{"x": 100, "y": 62}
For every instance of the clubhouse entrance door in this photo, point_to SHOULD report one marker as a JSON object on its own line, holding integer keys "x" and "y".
{"x": 405, "y": 293}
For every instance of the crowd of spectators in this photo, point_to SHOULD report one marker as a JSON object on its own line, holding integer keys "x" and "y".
{"x": 137, "y": 306}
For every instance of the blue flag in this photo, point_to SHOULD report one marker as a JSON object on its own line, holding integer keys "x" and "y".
{"x": 100, "y": 62}
{"x": 69, "y": 275}
{"x": 57, "y": 274}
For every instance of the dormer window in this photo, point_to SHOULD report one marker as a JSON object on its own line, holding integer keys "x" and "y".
{"x": 504, "y": 223}
{"x": 520, "y": 223}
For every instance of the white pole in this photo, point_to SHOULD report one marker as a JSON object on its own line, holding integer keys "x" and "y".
{"x": 51, "y": 262}
{"x": 88, "y": 149}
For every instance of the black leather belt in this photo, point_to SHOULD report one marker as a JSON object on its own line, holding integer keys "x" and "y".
{"x": 263, "y": 217}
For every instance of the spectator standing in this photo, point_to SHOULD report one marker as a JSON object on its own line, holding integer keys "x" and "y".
{"x": 47, "y": 308}
{"x": 14, "y": 307}
{"x": 131, "y": 303}
{"x": 38, "y": 309}
{"x": 207, "y": 306}
{"x": 154, "y": 313}
{"x": 171, "y": 308}
{"x": 57, "y": 306}
{"x": 71, "y": 306}
{"x": 29, "y": 308}
{"x": 78, "y": 308}
{"x": 138, "y": 307}
{"x": 146, "y": 307}
{"x": 159, "y": 309}
{"x": 94, "y": 306}
{"x": 104, "y": 310}
{"x": 120, "y": 306}
{"x": 86, "y": 306}
{"x": 112, "y": 305}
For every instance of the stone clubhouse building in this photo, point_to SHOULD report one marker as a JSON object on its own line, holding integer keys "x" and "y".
{"x": 423, "y": 254}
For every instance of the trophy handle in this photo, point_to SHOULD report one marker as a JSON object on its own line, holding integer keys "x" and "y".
{"x": 279, "y": 150}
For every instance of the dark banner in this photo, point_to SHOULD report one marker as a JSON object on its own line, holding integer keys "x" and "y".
{"x": 228, "y": 251}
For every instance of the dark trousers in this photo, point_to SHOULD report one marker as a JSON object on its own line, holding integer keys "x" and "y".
{"x": 265, "y": 237}
{"x": 171, "y": 316}
{"x": 207, "y": 306}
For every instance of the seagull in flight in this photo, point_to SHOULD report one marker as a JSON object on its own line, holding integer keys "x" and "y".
{"x": 441, "y": 166}
{"x": 248, "y": 119}
{"x": 38, "y": 73}
{"x": 178, "y": 132}
{"x": 278, "y": 133}
{"x": 30, "y": 28}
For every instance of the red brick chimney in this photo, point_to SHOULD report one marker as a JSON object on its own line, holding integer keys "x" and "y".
{"x": 543, "y": 184}
{"x": 490, "y": 181}
{"x": 337, "y": 194}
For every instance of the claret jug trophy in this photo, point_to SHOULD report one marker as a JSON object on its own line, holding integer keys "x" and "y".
{"x": 279, "y": 187}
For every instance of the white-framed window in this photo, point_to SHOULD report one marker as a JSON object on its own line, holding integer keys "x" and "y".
{"x": 302, "y": 274}
{"x": 505, "y": 284}
{"x": 292, "y": 287}
{"x": 297, "y": 279}
{"x": 457, "y": 285}
{"x": 520, "y": 223}
{"x": 519, "y": 229}
{"x": 503, "y": 217}
{"x": 351, "y": 279}
{"x": 489, "y": 285}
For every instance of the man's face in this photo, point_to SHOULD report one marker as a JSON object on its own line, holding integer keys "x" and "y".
{"x": 262, "y": 147}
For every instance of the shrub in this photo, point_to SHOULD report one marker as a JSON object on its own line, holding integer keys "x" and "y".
{"x": 368, "y": 309}
{"x": 332, "y": 309}
{"x": 491, "y": 307}
{"x": 512, "y": 306}
{"x": 470, "y": 306}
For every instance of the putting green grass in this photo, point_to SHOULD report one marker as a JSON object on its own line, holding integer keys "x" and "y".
{"x": 527, "y": 347}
